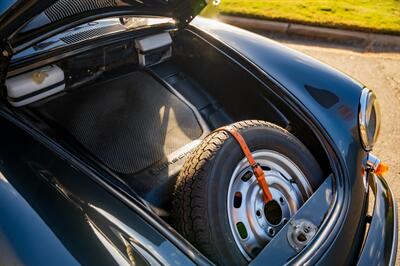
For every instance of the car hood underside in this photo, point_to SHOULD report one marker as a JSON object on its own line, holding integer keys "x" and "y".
{"x": 24, "y": 21}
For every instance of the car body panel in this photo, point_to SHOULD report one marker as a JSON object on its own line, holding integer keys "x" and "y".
{"x": 74, "y": 207}
{"x": 380, "y": 247}
{"x": 5, "y": 5}
{"x": 332, "y": 99}
{"x": 77, "y": 219}
{"x": 22, "y": 227}
{"x": 328, "y": 94}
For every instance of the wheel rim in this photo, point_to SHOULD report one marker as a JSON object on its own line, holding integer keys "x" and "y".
{"x": 254, "y": 224}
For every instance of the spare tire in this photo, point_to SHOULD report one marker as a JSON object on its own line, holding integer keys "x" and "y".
{"x": 218, "y": 205}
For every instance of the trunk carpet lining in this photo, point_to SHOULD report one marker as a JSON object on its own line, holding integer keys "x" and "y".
{"x": 128, "y": 123}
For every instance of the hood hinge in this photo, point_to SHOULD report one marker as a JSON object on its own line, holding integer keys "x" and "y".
{"x": 188, "y": 12}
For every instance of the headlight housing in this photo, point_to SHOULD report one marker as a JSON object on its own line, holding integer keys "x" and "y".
{"x": 369, "y": 119}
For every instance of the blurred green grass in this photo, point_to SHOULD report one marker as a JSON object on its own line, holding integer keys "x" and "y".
{"x": 365, "y": 15}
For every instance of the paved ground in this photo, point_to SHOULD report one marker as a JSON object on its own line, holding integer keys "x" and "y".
{"x": 381, "y": 73}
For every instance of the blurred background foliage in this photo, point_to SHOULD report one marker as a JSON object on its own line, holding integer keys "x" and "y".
{"x": 381, "y": 16}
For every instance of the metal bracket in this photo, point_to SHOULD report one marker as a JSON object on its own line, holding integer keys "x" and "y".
{"x": 371, "y": 162}
{"x": 189, "y": 10}
{"x": 300, "y": 233}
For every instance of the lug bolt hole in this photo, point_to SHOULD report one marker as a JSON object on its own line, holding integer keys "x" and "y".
{"x": 271, "y": 231}
{"x": 258, "y": 213}
{"x": 301, "y": 237}
{"x": 273, "y": 212}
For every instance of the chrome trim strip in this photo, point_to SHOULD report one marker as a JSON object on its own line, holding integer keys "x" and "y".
{"x": 380, "y": 246}
{"x": 393, "y": 254}
{"x": 368, "y": 104}
{"x": 362, "y": 119}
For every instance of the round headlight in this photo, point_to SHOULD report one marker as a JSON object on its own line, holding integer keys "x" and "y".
{"x": 369, "y": 119}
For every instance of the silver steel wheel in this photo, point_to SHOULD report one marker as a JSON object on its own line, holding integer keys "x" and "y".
{"x": 254, "y": 224}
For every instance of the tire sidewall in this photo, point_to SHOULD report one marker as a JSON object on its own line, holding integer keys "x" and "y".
{"x": 222, "y": 168}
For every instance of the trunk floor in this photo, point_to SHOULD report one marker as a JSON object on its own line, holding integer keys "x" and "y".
{"x": 128, "y": 123}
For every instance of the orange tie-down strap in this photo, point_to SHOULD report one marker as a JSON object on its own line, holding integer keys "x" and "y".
{"x": 257, "y": 170}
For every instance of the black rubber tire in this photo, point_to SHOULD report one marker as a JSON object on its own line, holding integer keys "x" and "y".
{"x": 199, "y": 206}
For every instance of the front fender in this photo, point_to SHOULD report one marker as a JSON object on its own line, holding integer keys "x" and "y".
{"x": 331, "y": 98}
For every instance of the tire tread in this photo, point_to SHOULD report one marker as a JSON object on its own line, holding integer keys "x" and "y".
{"x": 189, "y": 206}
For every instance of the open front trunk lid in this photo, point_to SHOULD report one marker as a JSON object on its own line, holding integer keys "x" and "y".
{"x": 24, "y": 23}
